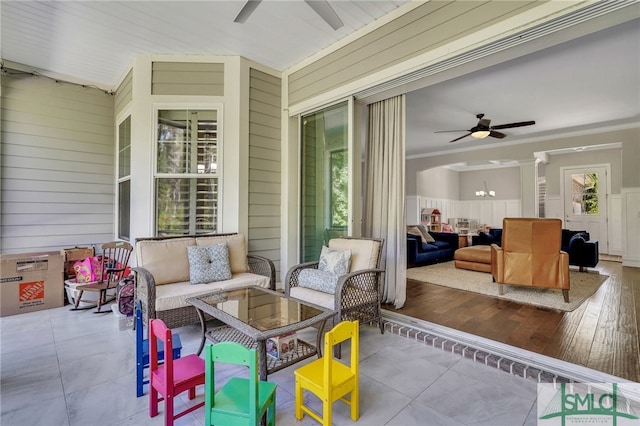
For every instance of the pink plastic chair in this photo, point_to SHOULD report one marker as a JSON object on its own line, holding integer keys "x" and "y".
{"x": 173, "y": 377}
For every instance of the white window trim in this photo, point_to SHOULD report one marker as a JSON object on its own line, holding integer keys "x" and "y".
{"x": 157, "y": 106}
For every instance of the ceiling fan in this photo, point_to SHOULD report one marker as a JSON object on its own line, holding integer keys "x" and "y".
{"x": 321, "y": 7}
{"x": 484, "y": 129}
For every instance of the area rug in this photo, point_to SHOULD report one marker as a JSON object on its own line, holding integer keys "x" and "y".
{"x": 583, "y": 285}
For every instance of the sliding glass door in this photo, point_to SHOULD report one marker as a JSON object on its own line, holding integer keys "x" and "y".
{"x": 325, "y": 179}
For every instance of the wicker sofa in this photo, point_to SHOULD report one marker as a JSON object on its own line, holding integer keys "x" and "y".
{"x": 162, "y": 274}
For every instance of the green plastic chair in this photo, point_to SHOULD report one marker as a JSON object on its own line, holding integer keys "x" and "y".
{"x": 239, "y": 401}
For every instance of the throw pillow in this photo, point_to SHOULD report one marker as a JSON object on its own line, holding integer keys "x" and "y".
{"x": 413, "y": 230}
{"x": 577, "y": 240}
{"x": 336, "y": 262}
{"x": 209, "y": 263}
{"x": 316, "y": 279}
{"x": 429, "y": 238}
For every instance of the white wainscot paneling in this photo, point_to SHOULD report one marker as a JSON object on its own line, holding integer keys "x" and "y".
{"x": 615, "y": 225}
{"x": 553, "y": 206}
{"x": 489, "y": 212}
{"x": 631, "y": 226}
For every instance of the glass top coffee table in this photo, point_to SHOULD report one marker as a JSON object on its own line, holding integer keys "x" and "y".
{"x": 254, "y": 316}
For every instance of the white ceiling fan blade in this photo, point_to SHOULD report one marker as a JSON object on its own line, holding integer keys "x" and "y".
{"x": 246, "y": 11}
{"x": 326, "y": 12}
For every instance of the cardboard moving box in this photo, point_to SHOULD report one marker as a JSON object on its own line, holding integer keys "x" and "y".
{"x": 30, "y": 282}
{"x": 72, "y": 255}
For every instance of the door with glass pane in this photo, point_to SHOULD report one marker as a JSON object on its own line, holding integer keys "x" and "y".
{"x": 585, "y": 202}
{"x": 187, "y": 172}
{"x": 324, "y": 179}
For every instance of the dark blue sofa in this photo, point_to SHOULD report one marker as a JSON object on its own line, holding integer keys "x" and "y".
{"x": 442, "y": 250}
{"x": 583, "y": 252}
{"x": 494, "y": 236}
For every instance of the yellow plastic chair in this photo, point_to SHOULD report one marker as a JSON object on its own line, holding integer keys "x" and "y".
{"x": 330, "y": 379}
{"x": 239, "y": 401}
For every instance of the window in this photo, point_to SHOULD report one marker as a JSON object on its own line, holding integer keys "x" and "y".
{"x": 124, "y": 179}
{"x": 339, "y": 181}
{"x": 325, "y": 179}
{"x": 187, "y": 172}
{"x": 585, "y": 193}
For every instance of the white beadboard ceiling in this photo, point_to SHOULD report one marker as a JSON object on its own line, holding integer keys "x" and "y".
{"x": 586, "y": 83}
{"x": 97, "y": 41}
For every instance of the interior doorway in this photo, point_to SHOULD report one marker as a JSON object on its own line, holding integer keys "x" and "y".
{"x": 585, "y": 202}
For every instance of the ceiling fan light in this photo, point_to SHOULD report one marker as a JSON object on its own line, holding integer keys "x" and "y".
{"x": 480, "y": 134}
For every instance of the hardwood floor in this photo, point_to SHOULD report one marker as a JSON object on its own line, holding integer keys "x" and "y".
{"x": 601, "y": 334}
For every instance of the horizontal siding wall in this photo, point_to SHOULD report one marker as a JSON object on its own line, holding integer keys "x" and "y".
{"x": 57, "y": 165}
{"x": 264, "y": 166}
{"x": 424, "y": 28}
{"x": 124, "y": 93}
{"x": 187, "y": 78}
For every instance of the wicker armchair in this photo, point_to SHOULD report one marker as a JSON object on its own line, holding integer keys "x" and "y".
{"x": 358, "y": 294}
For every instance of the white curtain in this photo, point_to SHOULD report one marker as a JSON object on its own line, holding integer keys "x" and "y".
{"x": 384, "y": 214}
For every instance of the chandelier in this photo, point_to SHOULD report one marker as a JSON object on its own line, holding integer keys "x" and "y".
{"x": 485, "y": 192}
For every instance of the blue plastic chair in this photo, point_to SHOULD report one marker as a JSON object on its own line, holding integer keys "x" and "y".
{"x": 142, "y": 351}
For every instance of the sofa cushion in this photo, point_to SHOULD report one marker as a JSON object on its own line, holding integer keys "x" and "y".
{"x": 327, "y": 300}
{"x": 441, "y": 244}
{"x": 315, "y": 297}
{"x": 174, "y": 296}
{"x": 208, "y": 263}
{"x": 166, "y": 260}
{"x": 334, "y": 261}
{"x": 237, "y": 250}
{"x": 364, "y": 253}
{"x": 317, "y": 279}
{"x": 428, "y": 247}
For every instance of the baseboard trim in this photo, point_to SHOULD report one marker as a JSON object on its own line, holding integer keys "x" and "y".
{"x": 633, "y": 262}
{"x": 512, "y": 360}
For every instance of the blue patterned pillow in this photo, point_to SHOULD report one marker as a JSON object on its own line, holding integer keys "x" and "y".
{"x": 334, "y": 261}
{"x": 209, "y": 263}
{"x": 316, "y": 279}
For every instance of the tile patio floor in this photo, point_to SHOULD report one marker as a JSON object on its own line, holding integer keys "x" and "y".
{"x": 60, "y": 367}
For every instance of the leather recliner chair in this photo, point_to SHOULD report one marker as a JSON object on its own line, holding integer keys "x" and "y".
{"x": 530, "y": 255}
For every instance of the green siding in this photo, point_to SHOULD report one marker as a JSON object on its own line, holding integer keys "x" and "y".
{"x": 187, "y": 78}
{"x": 264, "y": 166}
{"x": 423, "y": 29}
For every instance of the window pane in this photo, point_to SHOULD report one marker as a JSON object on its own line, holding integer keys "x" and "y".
{"x": 339, "y": 190}
{"x": 186, "y": 206}
{"x": 325, "y": 174}
{"x": 124, "y": 148}
{"x": 188, "y": 146}
{"x": 187, "y": 141}
{"x": 173, "y": 142}
{"x": 124, "y": 182}
{"x": 585, "y": 193}
{"x": 124, "y": 209}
